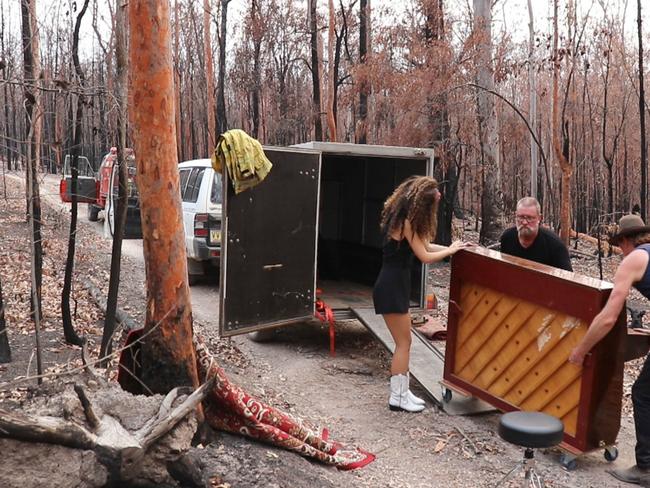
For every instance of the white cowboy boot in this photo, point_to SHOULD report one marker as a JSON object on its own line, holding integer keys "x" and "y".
{"x": 414, "y": 399}
{"x": 399, "y": 397}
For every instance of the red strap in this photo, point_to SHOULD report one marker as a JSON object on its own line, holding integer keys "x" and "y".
{"x": 324, "y": 313}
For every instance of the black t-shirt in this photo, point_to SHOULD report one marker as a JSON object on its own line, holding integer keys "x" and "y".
{"x": 547, "y": 248}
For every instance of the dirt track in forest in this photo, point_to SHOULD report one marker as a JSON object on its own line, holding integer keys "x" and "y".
{"x": 347, "y": 393}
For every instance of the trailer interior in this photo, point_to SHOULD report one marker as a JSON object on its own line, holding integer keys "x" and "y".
{"x": 353, "y": 189}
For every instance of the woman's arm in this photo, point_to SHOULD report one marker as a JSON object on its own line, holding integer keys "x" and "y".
{"x": 426, "y": 252}
{"x": 431, "y": 247}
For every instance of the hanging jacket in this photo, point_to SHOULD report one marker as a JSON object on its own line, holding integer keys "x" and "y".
{"x": 243, "y": 157}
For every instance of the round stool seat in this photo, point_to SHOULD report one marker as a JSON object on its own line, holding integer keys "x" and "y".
{"x": 531, "y": 429}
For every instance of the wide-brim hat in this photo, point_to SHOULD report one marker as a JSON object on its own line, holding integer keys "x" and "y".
{"x": 629, "y": 225}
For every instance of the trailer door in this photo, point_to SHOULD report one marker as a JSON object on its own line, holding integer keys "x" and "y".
{"x": 269, "y": 235}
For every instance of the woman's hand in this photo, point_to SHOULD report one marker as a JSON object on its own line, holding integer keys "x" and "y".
{"x": 457, "y": 245}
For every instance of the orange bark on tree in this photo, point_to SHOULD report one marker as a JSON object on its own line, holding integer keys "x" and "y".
{"x": 168, "y": 357}
{"x": 558, "y": 146}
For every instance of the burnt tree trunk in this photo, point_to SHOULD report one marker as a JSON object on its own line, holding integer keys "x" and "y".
{"x": 69, "y": 333}
{"x": 209, "y": 76}
{"x": 168, "y": 357}
{"x": 5, "y": 350}
{"x": 222, "y": 121}
{"x": 644, "y": 147}
{"x": 122, "y": 200}
{"x": 315, "y": 72}
{"x": 445, "y": 169}
{"x": 331, "y": 73}
{"x": 362, "y": 120}
{"x": 256, "y": 35}
{"x": 7, "y": 142}
{"x": 32, "y": 143}
{"x": 561, "y": 146}
{"x": 490, "y": 198}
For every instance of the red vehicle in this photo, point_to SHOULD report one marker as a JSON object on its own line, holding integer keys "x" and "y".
{"x": 100, "y": 191}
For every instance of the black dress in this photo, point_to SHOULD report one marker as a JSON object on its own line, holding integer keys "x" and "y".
{"x": 392, "y": 290}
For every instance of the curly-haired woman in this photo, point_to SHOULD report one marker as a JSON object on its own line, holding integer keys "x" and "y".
{"x": 408, "y": 222}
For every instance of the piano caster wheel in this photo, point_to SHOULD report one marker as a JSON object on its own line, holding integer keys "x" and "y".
{"x": 568, "y": 461}
{"x": 610, "y": 453}
{"x": 446, "y": 394}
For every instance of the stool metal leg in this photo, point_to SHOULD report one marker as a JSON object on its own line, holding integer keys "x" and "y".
{"x": 531, "y": 478}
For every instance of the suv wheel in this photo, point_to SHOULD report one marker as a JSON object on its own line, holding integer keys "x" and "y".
{"x": 93, "y": 213}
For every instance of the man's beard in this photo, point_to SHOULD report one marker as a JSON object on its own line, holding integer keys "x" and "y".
{"x": 525, "y": 232}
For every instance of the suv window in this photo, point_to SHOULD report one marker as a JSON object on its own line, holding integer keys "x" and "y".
{"x": 191, "y": 193}
{"x": 216, "y": 193}
{"x": 185, "y": 173}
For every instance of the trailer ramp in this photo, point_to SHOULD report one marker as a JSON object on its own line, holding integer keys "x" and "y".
{"x": 427, "y": 365}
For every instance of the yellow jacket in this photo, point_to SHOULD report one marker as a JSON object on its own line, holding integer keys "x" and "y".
{"x": 243, "y": 157}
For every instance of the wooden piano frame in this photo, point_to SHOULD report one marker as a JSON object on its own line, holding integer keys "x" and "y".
{"x": 512, "y": 325}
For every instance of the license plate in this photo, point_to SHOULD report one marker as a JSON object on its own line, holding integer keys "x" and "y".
{"x": 215, "y": 236}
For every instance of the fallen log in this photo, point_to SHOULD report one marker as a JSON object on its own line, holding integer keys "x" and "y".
{"x": 604, "y": 243}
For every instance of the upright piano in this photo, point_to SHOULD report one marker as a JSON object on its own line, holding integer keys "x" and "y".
{"x": 512, "y": 325}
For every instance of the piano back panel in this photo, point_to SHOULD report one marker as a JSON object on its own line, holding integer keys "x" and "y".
{"x": 512, "y": 325}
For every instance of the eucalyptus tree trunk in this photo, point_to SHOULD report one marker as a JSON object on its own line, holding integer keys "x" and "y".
{"x": 445, "y": 169}
{"x": 177, "y": 82}
{"x": 121, "y": 65}
{"x": 168, "y": 356}
{"x": 209, "y": 76}
{"x": 644, "y": 147}
{"x": 5, "y": 350}
{"x": 256, "y": 35}
{"x": 7, "y": 139}
{"x": 532, "y": 101}
{"x": 560, "y": 146}
{"x": 69, "y": 333}
{"x": 362, "y": 122}
{"x": 331, "y": 74}
{"x": 490, "y": 198}
{"x": 222, "y": 122}
{"x": 31, "y": 102}
{"x": 315, "y": 72}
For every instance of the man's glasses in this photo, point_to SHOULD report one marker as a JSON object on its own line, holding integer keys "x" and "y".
{"x": 526, "y": 218}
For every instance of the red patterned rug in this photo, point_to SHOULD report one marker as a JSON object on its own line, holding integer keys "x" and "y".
{"x": 231, "y": 409}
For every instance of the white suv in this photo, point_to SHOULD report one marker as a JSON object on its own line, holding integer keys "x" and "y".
{"x": 201, "y": 195}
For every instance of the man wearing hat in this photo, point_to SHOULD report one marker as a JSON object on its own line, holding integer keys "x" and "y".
{"x": 633, "y": 237}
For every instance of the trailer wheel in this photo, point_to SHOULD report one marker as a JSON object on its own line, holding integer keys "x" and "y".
{"x": 262, "y": 335}
{"x": 93, "y": 213}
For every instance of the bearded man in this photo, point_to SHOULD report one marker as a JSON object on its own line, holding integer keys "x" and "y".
{"x": 528, "y": 240}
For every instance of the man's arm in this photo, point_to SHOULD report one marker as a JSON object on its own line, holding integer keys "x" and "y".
{"x": 503, "y": 244}
{"x": 562, "y": 258}
{"x": 630, "y": 271}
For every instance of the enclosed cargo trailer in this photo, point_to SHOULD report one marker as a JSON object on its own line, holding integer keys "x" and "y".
{"x": 312, "y": 224}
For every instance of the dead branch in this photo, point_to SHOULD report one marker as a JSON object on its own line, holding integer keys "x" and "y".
{"x": 52, "y": 430}
{"x": 88, "y": 408}
{"x": 164, "y": 425}
{"x": 116, "y": 448}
